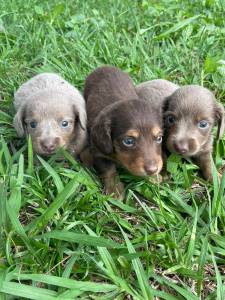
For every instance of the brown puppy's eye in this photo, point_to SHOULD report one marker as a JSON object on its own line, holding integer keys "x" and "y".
{"x": 203, "y": 124}
{"x": 128, "y": 141}
{"x": 158, "y": 139}
{"x": 170, "y": 120}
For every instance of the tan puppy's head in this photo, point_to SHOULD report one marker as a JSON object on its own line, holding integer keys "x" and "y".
{"x": 53, "y": 121}
{"x": 130, "y": 132}
{"x": 190, "y": 114}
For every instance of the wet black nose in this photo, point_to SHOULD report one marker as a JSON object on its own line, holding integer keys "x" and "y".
{"x": 151, "y": 167}
{"x": 181, "y": 147}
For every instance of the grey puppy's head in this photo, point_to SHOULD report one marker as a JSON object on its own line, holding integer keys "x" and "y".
{"x": 53, "y": 120}
{"x": 190, "y": 114}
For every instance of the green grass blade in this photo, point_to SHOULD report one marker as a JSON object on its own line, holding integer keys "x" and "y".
{"x": 82, "y": 239}
{"x": 220, "y": 286}
{"x": 27, "y": 291}
{"x": 69, "y": 189}
{"x": 177, "y": 27}
{"x": 191, "y": 246}
{"x": 30, "y": 168}
{"x": 139, "y": 270}
{"x": 52, "y": 172}
{"x": 68, "y": 283}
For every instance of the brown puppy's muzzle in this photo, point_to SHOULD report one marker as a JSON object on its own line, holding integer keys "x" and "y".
{"x": 140, "y": 166}
{"x": 151, "y": 167}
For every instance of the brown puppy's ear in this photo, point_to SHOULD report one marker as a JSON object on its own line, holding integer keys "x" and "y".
{"x": 101, "y": 135}
{"x": 81, "y": 116}
{"x": 165, "y": 104}
{"x": 18, "y": 121}
{"x": 219, "y": 113}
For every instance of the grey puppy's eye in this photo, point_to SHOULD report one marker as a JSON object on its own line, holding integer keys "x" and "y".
{"x": 128, "y": 141}
{"x": 65, "y": 124}
{"x": 33, "y": 124}
{"x": 203, "y": 124}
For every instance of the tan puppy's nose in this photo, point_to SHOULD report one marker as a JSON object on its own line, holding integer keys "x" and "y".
{"x": 181, "y": 147}
{"x": 49, "y": 145}
{"x": 151, "y": 167}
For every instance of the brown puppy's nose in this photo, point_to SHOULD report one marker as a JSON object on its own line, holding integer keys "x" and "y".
{"x": 181, "y": 147}
{"x": 49, "y": 145}
{"x": 151, "y": 167}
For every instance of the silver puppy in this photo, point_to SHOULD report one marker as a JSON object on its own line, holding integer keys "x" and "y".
{"x": 53, "y": 112}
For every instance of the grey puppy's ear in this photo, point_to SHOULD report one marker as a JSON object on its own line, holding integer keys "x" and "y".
{"x": 101, "y": 135}
{"x": 18, "y": 121}
{"x": 219, "y": 114}
{"x": 81, "y": 116}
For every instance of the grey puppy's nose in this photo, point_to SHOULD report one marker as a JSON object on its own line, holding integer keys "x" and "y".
{"x": 49, "y": 145}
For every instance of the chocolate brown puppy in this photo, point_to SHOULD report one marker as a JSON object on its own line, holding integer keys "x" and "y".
{"x": 190, "y": 114}
{"x": 122, "y": 127}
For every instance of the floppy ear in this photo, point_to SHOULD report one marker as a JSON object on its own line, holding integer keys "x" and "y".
{"x": 219, "y": 113}
{"x": 81, "y": 116}
{"x": 18, "y": 121}
{"x": 101, "y": 135}
{"x": 165, "y": 104}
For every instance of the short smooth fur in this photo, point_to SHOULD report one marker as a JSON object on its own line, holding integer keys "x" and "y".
{"x": 190, "y": 112}
{"x": 123, "y": 128}
{"x": 190, "y": 115}
{"x": 53, "y": 112}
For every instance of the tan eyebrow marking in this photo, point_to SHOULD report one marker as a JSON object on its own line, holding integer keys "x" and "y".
{"x": 133, "y": 132}
{"x": 156, "y": 131}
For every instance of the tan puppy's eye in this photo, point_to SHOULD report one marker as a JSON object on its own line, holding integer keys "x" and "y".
{"x": 158, "y": 139}
{"x": 170, "y": 120}
{"x": 203, "y": 124}
{"x": 128, "y": 141}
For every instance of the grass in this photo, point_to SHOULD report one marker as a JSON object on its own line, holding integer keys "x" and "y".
{"x": 61, "y": 238}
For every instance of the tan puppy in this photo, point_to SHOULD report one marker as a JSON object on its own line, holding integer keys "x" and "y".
{"x": 190, "y": 112}
{"x": 53, "y": 112}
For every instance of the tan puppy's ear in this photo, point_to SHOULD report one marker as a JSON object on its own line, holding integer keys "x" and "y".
{"x": 219, "y": 114}
{"x": 101, "y": 135}
{"x": 18, "y": 121}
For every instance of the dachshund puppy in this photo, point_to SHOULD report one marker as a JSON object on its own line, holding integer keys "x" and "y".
{"x": 123, "y": 128}
{"x": 155, "y": 91}
{"x": 53, "y": 112}
{"x": 190, "y": 114}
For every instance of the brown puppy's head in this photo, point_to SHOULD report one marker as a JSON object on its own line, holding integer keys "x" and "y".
{"x": 189, "y": 116}
{"x": 52, "y": 122}
{"x": 130, "y": 132}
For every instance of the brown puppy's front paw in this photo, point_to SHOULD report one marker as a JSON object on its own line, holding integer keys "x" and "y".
{"x": 156, "y": 179}
{"x": 114, "y": 188}
{"x": 86, "y": 158}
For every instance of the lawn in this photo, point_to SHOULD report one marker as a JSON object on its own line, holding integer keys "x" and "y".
{"x": 60, "y": 237}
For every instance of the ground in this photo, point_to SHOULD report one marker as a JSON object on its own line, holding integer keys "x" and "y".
{"x": 60, "y": 237}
